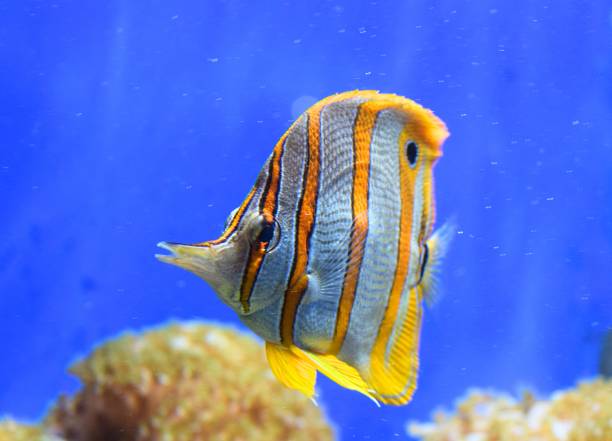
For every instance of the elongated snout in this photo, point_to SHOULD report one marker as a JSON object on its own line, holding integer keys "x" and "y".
{"x": 219, "y": 264}
{"x": 200, "y": 259}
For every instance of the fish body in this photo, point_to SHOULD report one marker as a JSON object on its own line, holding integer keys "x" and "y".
{"x": 331, "y": 254}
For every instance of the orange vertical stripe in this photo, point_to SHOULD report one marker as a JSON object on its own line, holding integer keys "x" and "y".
{"x": 407, "y": 182}
{"x": 250, "y": 274}
{"x": 429, "y": 204}
{"x": 270, "y": 199}
{"x": 298, "y": 281}
{"x": 362, "y": 137}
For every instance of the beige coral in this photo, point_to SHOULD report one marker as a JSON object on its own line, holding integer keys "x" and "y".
{"x": 580, "y": 414}
{"x": 184, "y": 382}
{"x": 11, "y": 430}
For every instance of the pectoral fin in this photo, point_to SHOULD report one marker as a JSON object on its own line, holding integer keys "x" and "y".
{"x": 291, "y": 369}
{"x": 437, "y": 245}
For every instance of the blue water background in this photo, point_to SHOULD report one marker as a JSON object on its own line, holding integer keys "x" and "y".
{"x": 123, "y": 123}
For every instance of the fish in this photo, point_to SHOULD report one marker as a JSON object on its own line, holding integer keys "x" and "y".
{"x": 332, "y": 253}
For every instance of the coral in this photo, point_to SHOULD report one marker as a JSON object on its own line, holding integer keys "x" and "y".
{"x": 11, "y": 430}
{"x": 184, "y": 382}
{"x": 580, "y": 414}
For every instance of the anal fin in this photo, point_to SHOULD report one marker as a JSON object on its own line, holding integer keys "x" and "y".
{"x": 340, "y": 372}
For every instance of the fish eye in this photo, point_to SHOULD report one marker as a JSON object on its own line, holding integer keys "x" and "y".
{"x": 412, "y": 151}
{"x": 269, "y": 234}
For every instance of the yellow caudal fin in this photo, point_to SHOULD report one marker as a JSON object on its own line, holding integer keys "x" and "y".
{"x": 394, "y": 360}
{"x": 292, "y": 369}
{"x": 340, "y": 372}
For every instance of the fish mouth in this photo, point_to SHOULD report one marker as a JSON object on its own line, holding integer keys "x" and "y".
{"x": 168, "y": 258}
{"x": 189, "y": 257}
{"x": 202, "y": 259}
